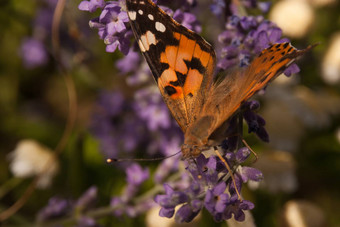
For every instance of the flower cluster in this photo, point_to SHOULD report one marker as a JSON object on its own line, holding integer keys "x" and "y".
{"x": 210, "y": 189}
{"x": 113, "y": 22}
{"x": 146, "y": 124}
{"x": 124, "y": 203}
{"x": 244, "y": 38}
{"x": 59, "y": 207}
{"x": 255, "y": 122}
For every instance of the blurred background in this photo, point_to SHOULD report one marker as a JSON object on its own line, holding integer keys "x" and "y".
{"x": 52, "y": 104}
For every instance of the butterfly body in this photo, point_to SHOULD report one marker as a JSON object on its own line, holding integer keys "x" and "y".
{"x": 183, "y": 63}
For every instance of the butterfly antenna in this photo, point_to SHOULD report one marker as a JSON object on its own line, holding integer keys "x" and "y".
{"x": 111, "y": 160}
{"x": 229, "y": 169}
{"x": 254, "y": 153}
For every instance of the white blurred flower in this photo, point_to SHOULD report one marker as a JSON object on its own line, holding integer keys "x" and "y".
{"x": 293, "y": 17}
{"x": 331, "y": 61}
{"x": 31, "y": 159}
{"x": 300, "y": 213}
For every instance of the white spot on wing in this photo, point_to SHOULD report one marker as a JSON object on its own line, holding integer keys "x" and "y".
{"x": 160, "y": 27}
{"x": 140, "y": 12}
{"x": 146, "y": 41}
{"x": 141, "y": 46}
{"x": 151, "y": 38}
{"x": 132, "y": 15}
{"x": 150, "y": 17}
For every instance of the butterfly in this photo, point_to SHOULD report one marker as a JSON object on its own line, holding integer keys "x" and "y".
{"x": 183, "y": 63}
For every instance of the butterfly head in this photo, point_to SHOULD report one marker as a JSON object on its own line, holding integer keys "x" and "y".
{"x": 193, "y": 151}
{"x": 190, "y": 151}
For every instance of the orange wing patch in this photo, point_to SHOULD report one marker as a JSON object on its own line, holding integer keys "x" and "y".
{"x": 187, "y": 65}
{"x": 273, "y": 60}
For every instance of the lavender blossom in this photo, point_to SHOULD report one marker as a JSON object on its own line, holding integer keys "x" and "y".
{"x": 136, "y": 175}
{"x": 91, "y": 5}
{"x": 33, "y": 53}
{"x": 129, "y": 63}
{"x": 244, "y": 38}
{"x": 84, "y": 221}
{"x": 218, "y": 7}
{"x": 208, "y": 189}
{"x": 255, "y": 122}
{"x": 88, "y": 199}
{"x": 188, "y": 20}
{"x": 111, "y": 24}
{"x": 56, "y": 207}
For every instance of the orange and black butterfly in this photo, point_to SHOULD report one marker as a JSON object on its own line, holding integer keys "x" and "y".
{"x": 182, "y": 64}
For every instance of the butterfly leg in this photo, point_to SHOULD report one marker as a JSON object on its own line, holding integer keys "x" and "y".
{"x": 254, "y": 153}
{"x": 230, "y": 171}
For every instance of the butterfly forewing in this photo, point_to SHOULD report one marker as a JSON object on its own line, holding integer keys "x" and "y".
{"x": 181, "y": 61}
{"x": 227, "y": 96}
{"x": 269, "y": 64}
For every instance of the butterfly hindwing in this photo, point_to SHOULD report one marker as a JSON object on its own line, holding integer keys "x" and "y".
{"x": 181, "y": 61}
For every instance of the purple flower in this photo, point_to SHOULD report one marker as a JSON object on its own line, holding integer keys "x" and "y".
{"x": 113, "y": 101}
{"x": 88, "y": 199}
{"x": 91, "y": 5}
{"x": 256, "y": 124}
{"x": 167, "y": 166}
{"x": 216, "y": 194}
{"x": 113, "y": 18}
{"x": 151, "y": 108}
{"x": 129, "y": 63}
{"x": 188, "y": 20}
{"x": 292, "y": 69}
{"x": 236, "y": 207}
{"x": 170, "y": 200}
{"x": 136, "y": 175}
{"x": 185, "y": 214}
{"x": 120, "y": 41}
{"x": 218, "y": 7}
{"x": 84, "y": 221}
{"x": 111, "y": 24}
{"x": 264, "y": 6}
{"x": 204, "y": 169}
{"x": 141, "y": 75}
{"x": 248, "y": 173}
{"x": 242, "y": 154}
{"x": 216, "y": 200}
{"x": 56, "y": 207}
{"x": 244, "y": 38}
{"x": 33, "y": 53}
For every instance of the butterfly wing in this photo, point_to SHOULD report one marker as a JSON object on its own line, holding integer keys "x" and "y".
{"x": 181, "y": 61}
{"x": 227, "y": 96}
